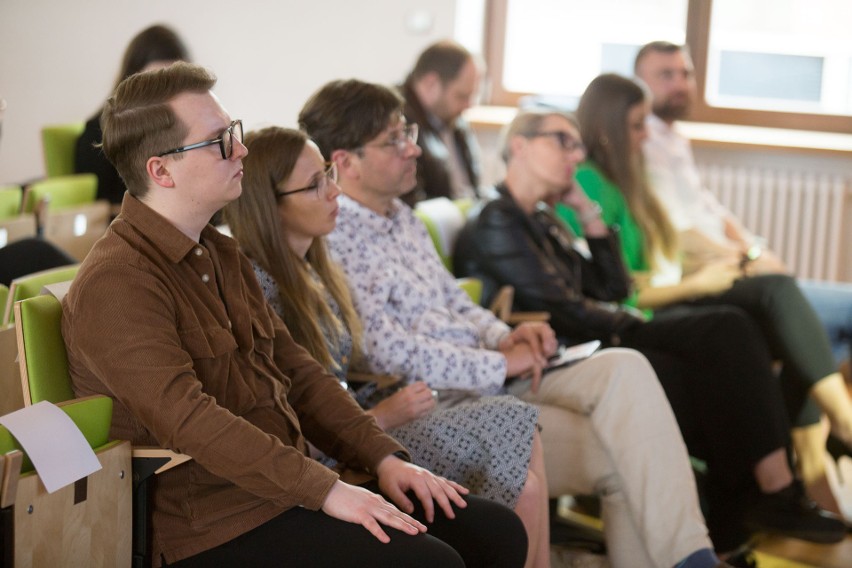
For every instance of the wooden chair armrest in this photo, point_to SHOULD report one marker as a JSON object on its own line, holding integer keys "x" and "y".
{"x": 501, "y": 306}
{"x": 10, "y": 472}
{"x": 521, "y": 317}
{"x": 174, "y": 458}
{"x": 382, "y": 381}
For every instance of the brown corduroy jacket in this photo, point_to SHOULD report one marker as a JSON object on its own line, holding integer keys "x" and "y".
{"x": 179, "y": 335}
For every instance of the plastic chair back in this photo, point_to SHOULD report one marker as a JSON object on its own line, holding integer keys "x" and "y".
{"x": 30, "y": 286}
{"x": 41, "y": 351}
{"x": 11, "y": 198}
{"x": 61, "y": 191}
{"x": 59, "y": 142}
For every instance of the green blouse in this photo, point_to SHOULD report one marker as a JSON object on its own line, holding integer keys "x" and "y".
{"x": 615, "y": 214}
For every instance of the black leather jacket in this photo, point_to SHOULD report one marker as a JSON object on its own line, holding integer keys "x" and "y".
{"x": 503, "y": 245}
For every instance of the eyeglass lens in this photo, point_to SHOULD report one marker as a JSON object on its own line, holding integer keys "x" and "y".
{"x": 329, "y": 176}
{"x": 407, "y": 135}
{"x": 234, "y": 131}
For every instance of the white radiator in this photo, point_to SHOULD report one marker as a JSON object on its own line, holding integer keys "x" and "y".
{"x": 799, "y": 213}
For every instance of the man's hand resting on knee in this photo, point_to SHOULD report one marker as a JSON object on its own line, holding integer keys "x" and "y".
{"x": 357, "y": 505}
{"x": 396, "y": 477}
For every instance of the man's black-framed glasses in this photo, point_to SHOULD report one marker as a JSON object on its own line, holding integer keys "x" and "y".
{"x": 225, "y": 141}
{"x": 563, "y": 138}
{"x": 319, "y": 185}
{"x": 401, "y": 139}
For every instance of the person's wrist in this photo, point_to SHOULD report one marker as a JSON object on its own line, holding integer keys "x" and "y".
{"x": 389, "y": 460}
{"x": 591, "y": 213}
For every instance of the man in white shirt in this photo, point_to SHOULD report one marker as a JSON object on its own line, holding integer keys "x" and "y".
{"x": 607, "y": 427}
{"x": 708, "y": 230}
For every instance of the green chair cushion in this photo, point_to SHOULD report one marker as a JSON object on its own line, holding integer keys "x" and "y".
{"x": 92, "y": 415}
{"x": 62, "y": 191}
{"x": 11, "y": 197}
{"x": 473, "y": 287}
{"x": 44, "y": 350}
{"x": 30, "y": 286}
{"x": 4, "y": 295}
{"x": 432, "y": 229}
{"x": 59, "y": 142}
{"x": 443, "y": 219}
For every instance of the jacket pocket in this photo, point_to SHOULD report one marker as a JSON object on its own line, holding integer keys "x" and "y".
{"x": 207, "y": 343}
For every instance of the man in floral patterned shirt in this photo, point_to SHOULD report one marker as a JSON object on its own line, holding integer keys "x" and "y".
{"x": 607, "y": 427}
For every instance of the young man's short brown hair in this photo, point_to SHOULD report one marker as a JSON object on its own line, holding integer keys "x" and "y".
{"x": 138, "y": 121}
{"x": 345, "y": 115}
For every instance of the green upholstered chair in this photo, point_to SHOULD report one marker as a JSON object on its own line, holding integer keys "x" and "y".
{"x": 61, "y": 191}
{"x": 59, "y": 142}
{"x": 45, "y": 376}
{"x": 11, "y": 198}
{"x": 44, "y": 364}
{"x": 31, "y": 285}
{"x": 84, "y": 523}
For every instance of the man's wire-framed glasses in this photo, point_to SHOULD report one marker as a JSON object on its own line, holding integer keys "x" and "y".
{"x": 401, "y": 139}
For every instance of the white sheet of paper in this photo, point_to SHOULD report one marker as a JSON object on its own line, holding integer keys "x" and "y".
{"x": 57, "y": 289}
{"x": 59, "y": 451}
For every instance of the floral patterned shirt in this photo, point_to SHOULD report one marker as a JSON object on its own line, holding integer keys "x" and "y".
{"x": 417, "y": 322}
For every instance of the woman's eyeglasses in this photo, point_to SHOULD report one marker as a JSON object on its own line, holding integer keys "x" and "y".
{"x": 320, "y": 186}
{"x": 564, "y": 139}
{"x": 225, "y": 141}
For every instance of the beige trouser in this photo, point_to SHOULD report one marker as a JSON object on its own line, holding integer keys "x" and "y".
{"x": 609, "y": 430}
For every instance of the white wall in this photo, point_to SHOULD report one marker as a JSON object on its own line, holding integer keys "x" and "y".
{"x": 58, "y": 59}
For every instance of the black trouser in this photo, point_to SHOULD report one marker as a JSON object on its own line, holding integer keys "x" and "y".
{"x": 794, "y": 333}
{"x": 482, "y": 534}
{"x": 715, "y": 367}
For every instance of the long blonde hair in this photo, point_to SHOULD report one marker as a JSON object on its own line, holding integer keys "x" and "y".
{"x": 602, "y": 114}
{"x": 256, "y": 224}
